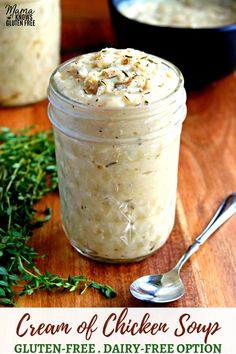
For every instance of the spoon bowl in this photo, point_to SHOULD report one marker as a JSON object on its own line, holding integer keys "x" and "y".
{"x": 167, "y": 287}
{"x": 160, "y": 288}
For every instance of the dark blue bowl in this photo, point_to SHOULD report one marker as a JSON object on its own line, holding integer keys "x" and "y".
{"x": 202, "y": 54}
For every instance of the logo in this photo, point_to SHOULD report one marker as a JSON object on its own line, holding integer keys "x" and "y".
{"x": 19, "y": 16}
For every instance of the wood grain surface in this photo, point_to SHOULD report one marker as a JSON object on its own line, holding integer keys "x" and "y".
{"x": 207, "y": 173}
{"x": 86, "y": 26}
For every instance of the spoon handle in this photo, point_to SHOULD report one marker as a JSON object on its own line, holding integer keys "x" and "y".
{"x": 225, "y": 211}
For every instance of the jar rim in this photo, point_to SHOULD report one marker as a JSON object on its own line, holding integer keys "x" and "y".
{"x": 52, "y": 86}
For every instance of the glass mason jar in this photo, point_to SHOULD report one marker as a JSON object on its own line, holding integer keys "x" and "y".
{"x": 117, "y": 172}
{"x": 30, "y": 46}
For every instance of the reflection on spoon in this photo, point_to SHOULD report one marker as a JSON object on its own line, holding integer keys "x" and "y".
{"x": 167, "y": 287}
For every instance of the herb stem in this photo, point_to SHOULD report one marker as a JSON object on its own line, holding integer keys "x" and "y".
{"x": 27, "y": 173}
{"x": 13, "y": 176}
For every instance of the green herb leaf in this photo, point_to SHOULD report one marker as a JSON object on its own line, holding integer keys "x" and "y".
{"x": 3, "y": 283}
{"x": 3, "y": 271}
{"x": 2, "y": 292}
{"x": 28, "y": 172}
{"x": 5, "y": 301}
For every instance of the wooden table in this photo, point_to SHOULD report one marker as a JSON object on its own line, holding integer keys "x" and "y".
{"x": 207, "y": 173}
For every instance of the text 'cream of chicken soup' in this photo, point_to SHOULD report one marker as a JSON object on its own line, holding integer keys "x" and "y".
{"x": 117, "y": 117}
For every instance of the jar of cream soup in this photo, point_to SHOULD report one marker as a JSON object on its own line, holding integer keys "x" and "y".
{"x": 30, "y": 47}
{"x": 117, "y": 117}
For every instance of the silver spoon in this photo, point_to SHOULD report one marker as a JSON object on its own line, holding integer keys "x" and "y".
{"x": 167, "y": 287}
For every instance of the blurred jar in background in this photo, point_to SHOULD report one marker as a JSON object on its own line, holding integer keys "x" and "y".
{"x": 29, "y": 49}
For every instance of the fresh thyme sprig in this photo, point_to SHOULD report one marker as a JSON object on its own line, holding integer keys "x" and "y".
{"x": 27, "y": 173}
